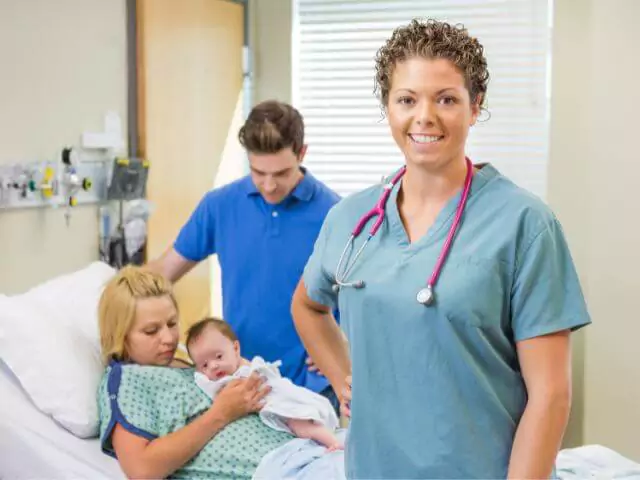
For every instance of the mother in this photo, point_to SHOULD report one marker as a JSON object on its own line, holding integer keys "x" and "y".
{"x": 153, "y": 417}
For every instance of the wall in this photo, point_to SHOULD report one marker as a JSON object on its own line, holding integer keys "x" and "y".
{"x": 270, "y": 39}
{"x": 64, "y": 67}
{"x": 612, "y": 381}
{"x": 592, "y": 171}
{"x": 571, "y": 52}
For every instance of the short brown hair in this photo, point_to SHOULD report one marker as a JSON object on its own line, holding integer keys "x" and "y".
{"x": 272, "y": 126}
{"x": 220, "y": 325}
{"x": 433, "y": 39}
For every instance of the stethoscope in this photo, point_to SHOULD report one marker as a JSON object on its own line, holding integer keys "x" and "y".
{"x": 425, "y": 296}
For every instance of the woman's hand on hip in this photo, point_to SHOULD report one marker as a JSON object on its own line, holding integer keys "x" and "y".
{"x": 345, "y": 398}
{"x": 241, "y": 397}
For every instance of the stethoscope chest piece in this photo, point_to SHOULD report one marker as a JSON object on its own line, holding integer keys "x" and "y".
{"x": 425, "y": 296}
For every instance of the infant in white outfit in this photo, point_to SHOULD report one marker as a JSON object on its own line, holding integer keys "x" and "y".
{"x": 215, "y": 351}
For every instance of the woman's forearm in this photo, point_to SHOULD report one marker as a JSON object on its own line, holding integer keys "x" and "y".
{"x": 326, "y": 345}
{"x": 163, "y": 456}
{"x": 324, "y": 341}
{"x": 539, "y": 437}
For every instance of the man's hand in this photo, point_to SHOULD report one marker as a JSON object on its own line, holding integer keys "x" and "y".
{"x": 312, "y": 366}
{"x": 345, "y": 398}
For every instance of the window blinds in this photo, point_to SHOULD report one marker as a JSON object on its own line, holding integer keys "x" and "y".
{"x": 350, "y": 146}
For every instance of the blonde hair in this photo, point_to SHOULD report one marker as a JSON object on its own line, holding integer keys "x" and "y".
{"x": 117, "y": 307}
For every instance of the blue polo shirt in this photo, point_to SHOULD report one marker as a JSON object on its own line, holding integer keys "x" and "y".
{"x": 262, "y": 250}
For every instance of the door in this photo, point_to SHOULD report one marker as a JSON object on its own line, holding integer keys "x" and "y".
{"x": 190, "y": 106}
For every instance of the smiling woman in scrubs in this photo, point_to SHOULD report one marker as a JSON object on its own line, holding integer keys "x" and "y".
{"x": 478, "y": 383}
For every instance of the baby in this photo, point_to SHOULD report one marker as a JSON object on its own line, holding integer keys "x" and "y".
{"x": 215, "y": 351}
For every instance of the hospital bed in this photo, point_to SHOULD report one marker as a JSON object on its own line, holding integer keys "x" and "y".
{"x": 34, "y": 446}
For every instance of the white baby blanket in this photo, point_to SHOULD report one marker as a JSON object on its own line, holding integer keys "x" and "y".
{"x": 286, "y": 400}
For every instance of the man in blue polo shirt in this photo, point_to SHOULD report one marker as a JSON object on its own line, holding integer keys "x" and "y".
{"x": 263, "y": 228}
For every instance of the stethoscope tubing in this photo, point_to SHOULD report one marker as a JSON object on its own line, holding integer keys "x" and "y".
{"x": 379, "y": 211}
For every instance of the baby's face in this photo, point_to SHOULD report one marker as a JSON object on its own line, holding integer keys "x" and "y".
{"x": 215, "y": 355}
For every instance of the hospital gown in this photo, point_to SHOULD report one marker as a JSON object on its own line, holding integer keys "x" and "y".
{"x": 155, "y": 401}
{"x": 437, "y": 391}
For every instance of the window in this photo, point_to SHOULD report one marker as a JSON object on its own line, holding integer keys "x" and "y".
{"x": 350, "y": 147}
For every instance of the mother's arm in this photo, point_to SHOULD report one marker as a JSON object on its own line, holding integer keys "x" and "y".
{"x": 141, "y": 458}
{"x": 159, "y": 458}
{"x": 546, "y": 367}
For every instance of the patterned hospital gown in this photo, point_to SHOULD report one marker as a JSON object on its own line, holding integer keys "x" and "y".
{"x": 155, "y": 401}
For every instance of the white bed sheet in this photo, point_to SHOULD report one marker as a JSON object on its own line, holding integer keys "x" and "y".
{"x": 33, "y": 446}
{"x": 595, "y": 462}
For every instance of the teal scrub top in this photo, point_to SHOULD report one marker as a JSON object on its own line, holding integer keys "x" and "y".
{"x": 438, "y": 391}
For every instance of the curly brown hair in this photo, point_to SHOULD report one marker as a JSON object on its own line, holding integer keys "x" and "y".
{"x": 272, "y": 126}
{"x": 433, "y": 39}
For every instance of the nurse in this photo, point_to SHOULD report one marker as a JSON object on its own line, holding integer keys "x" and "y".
{"x": 470, "y": 378}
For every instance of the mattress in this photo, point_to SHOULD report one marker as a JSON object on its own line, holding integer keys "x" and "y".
{"x": 33, "y": 446}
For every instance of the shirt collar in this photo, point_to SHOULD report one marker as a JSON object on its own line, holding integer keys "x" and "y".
{"x": 485, "y": 173}
{"x": 303, "y": 191}
{"x": 249, "y": 187}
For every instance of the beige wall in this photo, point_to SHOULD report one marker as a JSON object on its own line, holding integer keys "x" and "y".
{"x": 567, "y": 167}
{"x": 594, "y": 167}
{"x": 63, "y": 68}
{"x": 592, "y": 171}
{"x": 270, "y": 38}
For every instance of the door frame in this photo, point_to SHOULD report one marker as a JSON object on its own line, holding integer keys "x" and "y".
{"x": 135, "y": 122}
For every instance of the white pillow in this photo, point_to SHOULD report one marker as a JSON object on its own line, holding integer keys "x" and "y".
{"x": 49, "y": 338}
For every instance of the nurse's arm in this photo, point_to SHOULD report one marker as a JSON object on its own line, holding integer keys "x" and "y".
{"x": 321, "y": 337}
{"x": 171, "y": 265}
{"x": 546, "y": 368}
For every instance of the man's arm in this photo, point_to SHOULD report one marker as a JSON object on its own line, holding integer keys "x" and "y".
{"x": 321, "y": 337}
{"x": 171, "y": 265}
{"x": 546, "y": 367}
